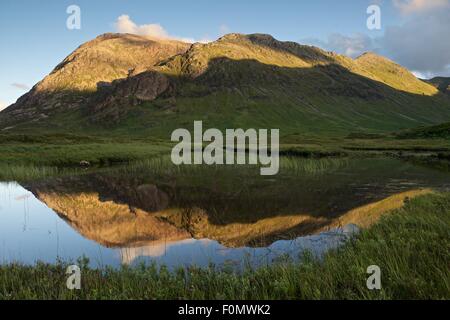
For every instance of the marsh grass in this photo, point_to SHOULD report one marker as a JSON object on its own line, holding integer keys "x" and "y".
{"x": 288, "y": 166}
{"x": 11, "y": 172}
{"x": 302, "y": 166}
{"x": 411, "y": 246}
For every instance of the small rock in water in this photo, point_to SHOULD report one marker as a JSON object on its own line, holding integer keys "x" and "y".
{"x": 85, "y": 163}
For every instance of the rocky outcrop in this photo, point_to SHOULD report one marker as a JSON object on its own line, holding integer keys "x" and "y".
{"x": 115, "y": 99}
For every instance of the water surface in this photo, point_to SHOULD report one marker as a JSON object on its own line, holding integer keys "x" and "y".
{"x": 181, "y": 218}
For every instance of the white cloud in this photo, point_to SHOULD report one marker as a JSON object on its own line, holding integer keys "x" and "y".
{"x": 418, "y": 6}
{"x": 351, "y": 46}
{"x": 124, "y": 24}
{"x": 2, "y": 105}
{"x": 422, "y": 43}
{"x": 20, "y": 86}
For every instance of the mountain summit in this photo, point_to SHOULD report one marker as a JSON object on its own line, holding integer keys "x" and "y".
{"x": 121, "y": 80}
{"x": 96, "y": 63}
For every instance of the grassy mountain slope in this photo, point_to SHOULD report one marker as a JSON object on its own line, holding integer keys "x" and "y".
{"x": 255, "y": 81}
{"x": 381, "y": 69}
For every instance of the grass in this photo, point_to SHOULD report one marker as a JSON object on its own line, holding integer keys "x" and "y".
{"x": 34, "y": 156}
{"x": 441, "y": 131}
{"x": 411, "y": 246}
{"x": 25, "y": 173}
{"x": 57, "y": 149}
{"x": 71, "y": 155}
{"x": 28, "y": 156}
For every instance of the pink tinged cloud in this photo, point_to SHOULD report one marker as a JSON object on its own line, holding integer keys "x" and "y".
{"x": 420, "y": 6}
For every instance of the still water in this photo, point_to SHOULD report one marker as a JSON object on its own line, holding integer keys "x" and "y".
{"x": 180, "y": 220}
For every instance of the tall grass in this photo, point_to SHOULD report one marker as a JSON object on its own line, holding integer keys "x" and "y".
{"x": 23, "y": 172}
{"x": 301, "y": 166}
{"x": 288, "y": 166}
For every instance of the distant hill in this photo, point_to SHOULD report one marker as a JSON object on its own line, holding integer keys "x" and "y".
{"x": 441, "y": 83}
{"x": 128, "y": 84}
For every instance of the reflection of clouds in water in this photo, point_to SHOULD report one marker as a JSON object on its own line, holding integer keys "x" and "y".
{"x": 22, "y": 197}
{"x": 182, "y": 252}
{"x": 359, "y": 183}
{"x": 224, "y": 251}
{"x": 128, "y": 255}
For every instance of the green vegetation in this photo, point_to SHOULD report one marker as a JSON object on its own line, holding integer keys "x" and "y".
{"x": 33, "y": 156}
{"x": 19, "y": 172}
{"x": 69, "y": 150}
{"x": 411, "y": 246}
{"x": 441, "y": 131}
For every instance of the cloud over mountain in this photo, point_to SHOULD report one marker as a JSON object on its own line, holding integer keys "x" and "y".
{"x": 416, "y": 6}
{"x": 352, "y": 46}
{"x": 421, "y": 43}
{"x": 124, "y": 24}
{"x": 20, "y": 86}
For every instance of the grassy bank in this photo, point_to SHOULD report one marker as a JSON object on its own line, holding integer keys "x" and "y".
{"x": 69, "y": 149}
{"x": 411, "y": 246}
{"x": 34, "y": 156}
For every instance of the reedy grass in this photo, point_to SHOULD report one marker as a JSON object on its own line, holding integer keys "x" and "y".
{"x": 24, "y": 172}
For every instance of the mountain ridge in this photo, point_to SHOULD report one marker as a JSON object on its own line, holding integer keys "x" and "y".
{"x": 283, "y": 77}
{"x": 101, "y": 54}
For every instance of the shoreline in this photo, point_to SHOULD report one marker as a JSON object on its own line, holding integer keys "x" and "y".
{"x": 410, "y": 246}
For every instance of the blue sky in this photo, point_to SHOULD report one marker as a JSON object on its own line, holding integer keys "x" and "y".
{"x": 35, "y": 37}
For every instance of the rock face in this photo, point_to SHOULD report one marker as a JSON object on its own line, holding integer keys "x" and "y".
{"x": 115, "y": 99}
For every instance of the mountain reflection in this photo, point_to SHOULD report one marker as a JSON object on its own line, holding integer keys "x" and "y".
{"x": 125, "y": 209}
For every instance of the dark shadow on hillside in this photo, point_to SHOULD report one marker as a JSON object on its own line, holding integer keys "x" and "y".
{"x": 307, "y": 53}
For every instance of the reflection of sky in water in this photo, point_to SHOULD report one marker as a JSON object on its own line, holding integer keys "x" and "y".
{"x": 30, "y": 231}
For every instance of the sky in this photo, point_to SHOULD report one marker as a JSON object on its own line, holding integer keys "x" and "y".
{"x": 35, "y": 37}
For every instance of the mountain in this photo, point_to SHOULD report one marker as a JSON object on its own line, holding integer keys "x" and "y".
{"x": 92, "y": 65}
{"x": 129, "y": 84}
{"x": 441, "y": 83}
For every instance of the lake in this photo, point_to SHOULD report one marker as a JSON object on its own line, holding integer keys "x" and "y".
{"x": 154, "y": 212}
